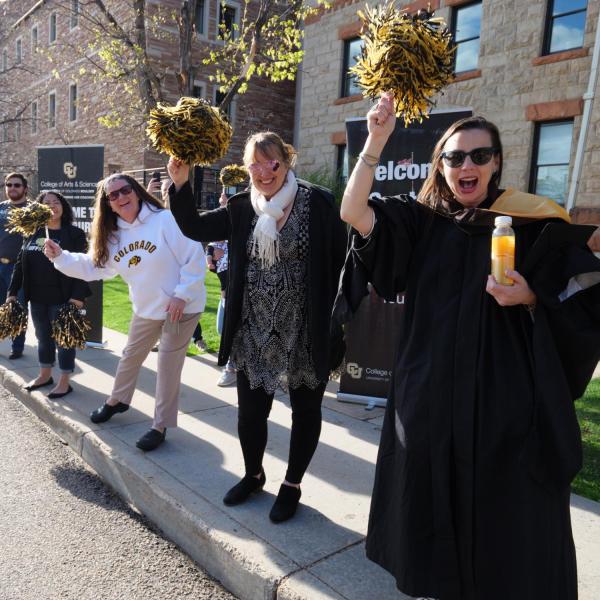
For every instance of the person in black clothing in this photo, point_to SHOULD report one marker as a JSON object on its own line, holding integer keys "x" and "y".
{"x": 480, "y": 439}
{"x": 286, "y": 248}
{"x": 47, "y": 289}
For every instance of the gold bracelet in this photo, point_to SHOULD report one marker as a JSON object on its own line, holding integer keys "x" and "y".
{"x": 370, "y": 165}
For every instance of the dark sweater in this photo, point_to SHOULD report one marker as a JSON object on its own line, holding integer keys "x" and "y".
{"x": 327, "y": 246}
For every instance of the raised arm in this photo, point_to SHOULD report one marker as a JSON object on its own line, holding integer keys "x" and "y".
{"x": 381, "y": 121}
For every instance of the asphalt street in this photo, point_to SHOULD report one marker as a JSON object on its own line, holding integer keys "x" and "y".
{"x": 64, "y": 534}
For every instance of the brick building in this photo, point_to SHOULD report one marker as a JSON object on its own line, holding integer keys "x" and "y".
{"x": 525, "y": 65}
{"x": 49, "y": 95}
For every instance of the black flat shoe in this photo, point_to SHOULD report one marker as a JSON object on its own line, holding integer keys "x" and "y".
{"x": 241, "y": 491}
{"x": 15, "y": 355}
{"x": 286, "y": 504}
{"x": 37, "y": 386}
{"x": 106, "y": 411}
{"x": 151, "y": 440}
{"x": 55, "y": 395}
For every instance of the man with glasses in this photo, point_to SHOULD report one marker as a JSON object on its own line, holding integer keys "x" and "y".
{"x": 15, "y": 190}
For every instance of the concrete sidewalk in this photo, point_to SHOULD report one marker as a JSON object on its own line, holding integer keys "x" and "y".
{"x": 317, "y": 555}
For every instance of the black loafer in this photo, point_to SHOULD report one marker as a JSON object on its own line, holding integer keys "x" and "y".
{"x": 106, "y": 411}
{"x": 37, "y": 386}
{"x": 286, "y": 504}
{"x": 55, "y": 395}
{"x": 241, "y": 491}
{"x": 14, "y": 355}
{"x": 151, "y": 440}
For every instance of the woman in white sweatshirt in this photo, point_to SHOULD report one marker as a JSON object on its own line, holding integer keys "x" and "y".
{"x": 134, "y": 237}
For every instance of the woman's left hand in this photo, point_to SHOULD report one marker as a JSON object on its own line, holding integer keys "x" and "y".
{"x": 77, "y": 303}
{"x": 511, "y": 295}
{"x": 175, "y": 309}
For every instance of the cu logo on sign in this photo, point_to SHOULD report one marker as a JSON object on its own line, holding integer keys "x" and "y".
{"x": 354, "y": 370}
{"x": 70, "y": 170}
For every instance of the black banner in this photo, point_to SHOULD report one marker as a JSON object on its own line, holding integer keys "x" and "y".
{"x": 372, "y": 336}
{"x": 74, "y": 172}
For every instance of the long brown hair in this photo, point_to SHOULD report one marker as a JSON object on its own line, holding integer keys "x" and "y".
{"x": 435, "y": 190}
{"x": 105, "y": 222}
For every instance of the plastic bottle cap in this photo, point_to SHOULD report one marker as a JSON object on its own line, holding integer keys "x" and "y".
{"x": 503, "y": 221}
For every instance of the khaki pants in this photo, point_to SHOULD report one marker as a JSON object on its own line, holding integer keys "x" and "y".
{"x": 174, "y": 339}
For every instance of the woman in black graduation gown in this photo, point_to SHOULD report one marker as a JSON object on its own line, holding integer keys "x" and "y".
{"x": 480, "y": 439}
{"x": 47, "y": 289}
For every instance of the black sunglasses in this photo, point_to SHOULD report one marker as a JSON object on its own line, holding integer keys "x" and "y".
{"x": 479, "y": 156}
{"x": 114, "y": 196}
{"x": 17, "y": 185}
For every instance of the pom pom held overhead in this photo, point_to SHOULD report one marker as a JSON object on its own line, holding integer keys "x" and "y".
{"x": 192, "y": 131}
{"x": 411, "y": 56}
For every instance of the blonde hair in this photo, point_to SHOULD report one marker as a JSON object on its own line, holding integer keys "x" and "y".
{"x": 272, "y": 146}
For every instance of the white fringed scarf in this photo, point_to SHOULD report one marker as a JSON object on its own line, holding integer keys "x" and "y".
{"x": 265, "y": 242}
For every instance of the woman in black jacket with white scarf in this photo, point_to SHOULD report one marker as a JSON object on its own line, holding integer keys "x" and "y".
{"x": 46, "y": 289}
{"x": 286, "y": 249}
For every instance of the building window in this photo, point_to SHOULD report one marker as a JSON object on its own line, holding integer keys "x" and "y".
{"x": 352, "y": 50}
{"x": 342, "y": 164}
{"x": 18, "y": 128}
{"x": 73, "y": 102}
{"x": 52, "y": 29}
{"x": 230, "y": 112}
{"x": 552, "y": 149}
{"x": 34, "y": 117}
{"x": 51, "y": 110}
{"x": 34, "y": 38}
{"x": 228, "y": 20}
{"x": 19, "y": 51}
{"x": 565, "y": 25}
{"x": 199, "y": 90}
{"x": 74, "y": 18}
{"x": 466, "y": 31}
{"x": 201, "y": 17}
{"x": 5, "y": 59}
{"x": 5, "y": 132}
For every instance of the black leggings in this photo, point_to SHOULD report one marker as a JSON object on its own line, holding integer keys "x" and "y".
{"x": 254, "y": 408}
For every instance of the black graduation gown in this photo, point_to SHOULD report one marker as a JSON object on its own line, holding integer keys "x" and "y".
{"x": 480, "y": 438}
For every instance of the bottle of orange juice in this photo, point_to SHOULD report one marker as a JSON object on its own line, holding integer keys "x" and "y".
{"x": 503, "y": 250}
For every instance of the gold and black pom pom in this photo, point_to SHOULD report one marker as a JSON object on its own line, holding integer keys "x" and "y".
{"x": 13, "y": 319}
{"x": 70, "y": 327}
{"x": 233, "y": 175}
{"x": 192, "y": 131}
{"x": 26, "y": 221}
{"x": 411, "y": 56}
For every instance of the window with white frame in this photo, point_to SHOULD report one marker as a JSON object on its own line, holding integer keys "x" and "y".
{"x": 199, "y": 89}
{"x": 73, "y": 102}
{"x": 34, "y": 38}
{"x": 229, "y": 20}
{"x": 51, "y": 110}
{"x": 466, "y": 32}
{"x": 34, "y": 117}
{"x": 201, "y": 17}
{"x": 74, "y": 16}
{"x": 52, "y": 29}
{"x": 19, "y": 51}
{"x": 565, "y": 25}
{"x": 551, "y": 155}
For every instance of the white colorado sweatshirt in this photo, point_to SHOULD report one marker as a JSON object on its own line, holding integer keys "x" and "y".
{"x": 155, "y": 259}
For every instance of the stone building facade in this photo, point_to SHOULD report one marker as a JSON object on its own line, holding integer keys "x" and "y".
{"x": 61, "y": 101}
{"x": 525, "y": 65}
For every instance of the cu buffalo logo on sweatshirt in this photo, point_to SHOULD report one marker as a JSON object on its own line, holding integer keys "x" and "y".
{"x": 140, "y": 246}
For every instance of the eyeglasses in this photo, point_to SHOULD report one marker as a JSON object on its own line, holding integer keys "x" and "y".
{"x": 124, "y": 191}
{"x": 17, "y": 185}
{"x": 479, "y": 156}
{"x": 270, "y": 165}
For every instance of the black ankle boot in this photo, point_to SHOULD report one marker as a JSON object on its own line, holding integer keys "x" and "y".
{"x": 241, "y": 491}
{"x": 286, "y": 504}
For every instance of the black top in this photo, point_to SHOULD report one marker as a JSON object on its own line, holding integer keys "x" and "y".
{"x": 327, "y": 244}
{"x": 41, "y": 282}
{"x": 10, "y": 243}
{"x": 480, "y": 437}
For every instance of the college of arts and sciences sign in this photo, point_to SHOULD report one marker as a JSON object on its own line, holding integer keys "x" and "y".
{"x": 372, "y": 335}
{"x": 74, "y": 172}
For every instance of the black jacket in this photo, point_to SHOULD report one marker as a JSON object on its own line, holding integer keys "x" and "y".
{"x": 327, "y": 245}
{"x": 73, "y": 240}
